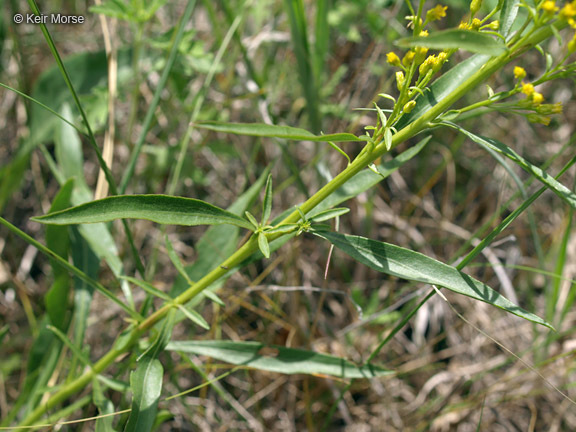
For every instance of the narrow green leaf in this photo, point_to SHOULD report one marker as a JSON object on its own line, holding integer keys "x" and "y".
{"x": 414, "y": 266}
{"x": 329, "y": 214}
{"x": 468, "y": 40}
{"x": 146, "y": 385}
{"x": 195, "y": 317}
{"x": 212, "y": 296}
{"x": 162, "y": 209}
{"x": 273, "y": 131}
{"x": 488, "y": 143}
{"x": 176, "y": 260}
{"x": 253, "y": 222}
{"x": 149, "y": 288}
{"x": 277, "y": 358}
{"x": 443, "y": 87}
{"x": 267, "y": 203}
{"x": 263, "y": 244}
{"x": 388, "y": 138}
{"x": 508, "y": 15}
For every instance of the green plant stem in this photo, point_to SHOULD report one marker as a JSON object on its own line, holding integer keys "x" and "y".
{"x": 248, "y": 248}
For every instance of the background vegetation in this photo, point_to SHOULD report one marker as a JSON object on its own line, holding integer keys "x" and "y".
{"x": 307, "y": 64}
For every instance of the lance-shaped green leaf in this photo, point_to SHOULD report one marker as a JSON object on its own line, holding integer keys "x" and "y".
{"x": 468, "y": 40}
{"x": 491, "y": 144}
{"x": 146, "y": 384}
{"x": 414, "y": 266}
{"x": 508, "y": 15}
{"x": 277, "y": 358}
{"x": 267, "y": 203}
{"x": 273, "y": 131}
{"x": 162, "y": 209}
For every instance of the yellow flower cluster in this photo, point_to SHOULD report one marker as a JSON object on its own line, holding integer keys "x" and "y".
{"x": 474, "y": 25}
{"x": 531, "y": 94}
{"x": 436, "y": 13}
{"x": 432, "y": 62}
{"x": 519, "y": 72}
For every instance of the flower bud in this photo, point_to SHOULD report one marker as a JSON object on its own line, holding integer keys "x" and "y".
{"x": 400, "y": 80}
{"x": 409, "y": 106}
{"x": 475, "y": 6}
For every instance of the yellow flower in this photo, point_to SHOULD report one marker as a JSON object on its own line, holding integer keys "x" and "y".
{"x": 519, "y": 72}
{"x": 568, "y": 11}
{"x": 537, "y": 98}
{"x": 393, "y": 59}
{"x": 549, "y": 7}
{"x": 408, "y": 58}
{"x": 527, "y": 89}
{"x": 436, "y": 13}
{"x": 476, "y": 23}
{"x": 427, "y": 64}
{"x": 423, "y": 33}
{"x": 463, "y": 26}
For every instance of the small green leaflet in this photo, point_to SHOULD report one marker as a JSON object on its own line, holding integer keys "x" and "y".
{"x": 277, "y": 358}
{"x": 273, "y": 131}
{"x": 414, "y": 266}
{"x": 162, "y": 209}
{"x": 468, "y": 40}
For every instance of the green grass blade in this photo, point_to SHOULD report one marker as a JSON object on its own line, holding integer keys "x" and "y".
{"x": 66, "y": 76}
{"x": 414, "y": 266}
{"x": 273, "y": 131}
{"x": 72, "y": 269}
{"x": 554, "y": 185}
{"x": 161, "y": 209}
{"x": 57, "y": 239}
{"x": 277, "y": 358}
{"x": 157, "y": 94}
{"x": 468, "y": 40}
{"x": 299, "y": 34}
